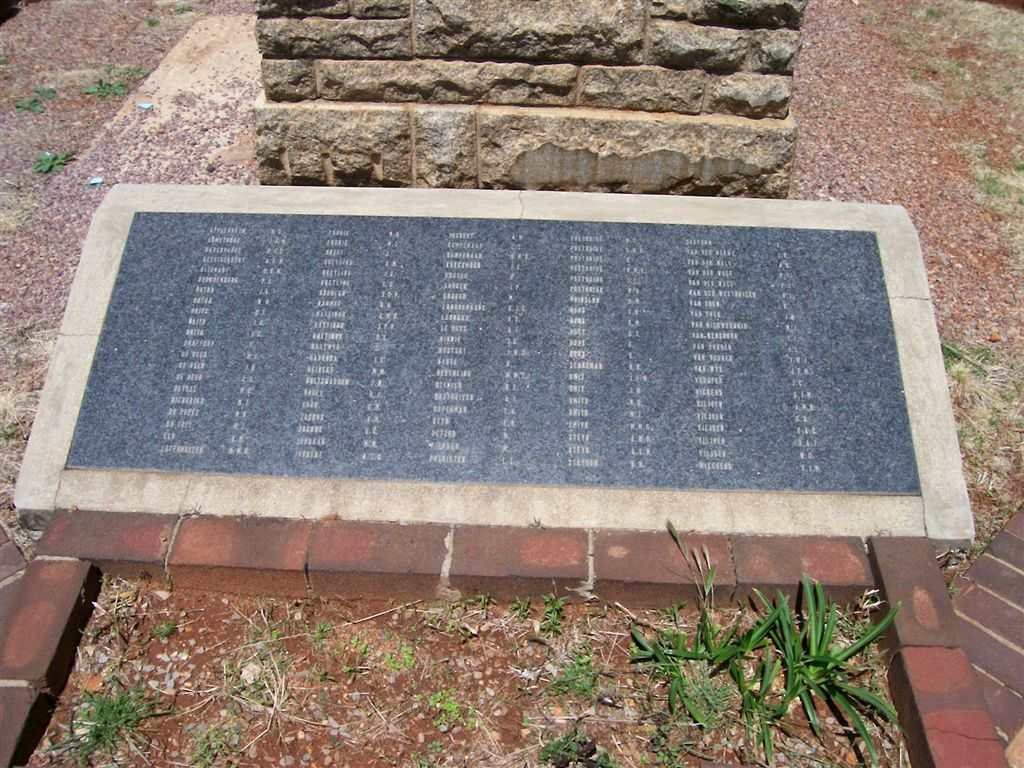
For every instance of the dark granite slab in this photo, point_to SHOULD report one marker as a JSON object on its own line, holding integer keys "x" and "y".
{"x": 495, "y": 351}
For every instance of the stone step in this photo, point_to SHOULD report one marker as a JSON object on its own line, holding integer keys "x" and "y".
{"x": 353, "y": 144}
{"x": 640, "y": 88}
{"x": 611, "y": 38}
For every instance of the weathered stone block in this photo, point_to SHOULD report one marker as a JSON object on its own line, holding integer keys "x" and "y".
{"x": 652, "y": 89}
{"x": 381, "y": 9}
{"x": 344, "y": 145}
{"x": 445, "y": 146}
{"x": 742, "y": 13}
{"x": 288, "y": 79}
{"x": 335, "y": 8}
{"x": 571, "y": 149}
{"x": 594, "y": 31}
{"x": 682, "y": 45}
{"x": 312, "y": 38}
{"x": 454, "y": 82}
{"x": 749, "y": 95}
{"x": 773, "y": 51}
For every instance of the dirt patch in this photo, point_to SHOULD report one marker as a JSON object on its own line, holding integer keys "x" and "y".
{"x": 885, "y": 113}
{"x": 240, "y": 682}
{"x": 44, "y": 218}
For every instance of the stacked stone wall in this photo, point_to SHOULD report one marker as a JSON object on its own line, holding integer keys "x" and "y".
{"x": 656, "y": 96}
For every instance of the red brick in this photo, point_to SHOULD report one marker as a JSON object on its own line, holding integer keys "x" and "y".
{"x": 1005, "y": 705}
{"x": 1009, "y": 549}
{"x": 645, "y": 568}
{"x": 942, "y": 710}
{"x": 24, "y": 715}
{"x": 997, "y": 616}
{"x": 355, "y": 559}
{"x": 11, "y": 560}
{"x": 906, "y": 571}
{"x": 508, "y": 561}
{"x": 7, "y": 595}
{"x": 956, "y": 739}
{"x": 773, "y": 563}
{"x": 244, "y": 555}
{"x": 998, "y": 659}
{"x": 1001, "y": 579}
{"x": 130, "y": 545}
{"x": 53, "y": 604}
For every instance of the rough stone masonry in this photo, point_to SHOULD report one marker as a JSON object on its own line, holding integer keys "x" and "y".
{"x": 653, "y": 96}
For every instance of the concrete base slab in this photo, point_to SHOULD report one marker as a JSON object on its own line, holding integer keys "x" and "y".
{"x": 941, "y": 510}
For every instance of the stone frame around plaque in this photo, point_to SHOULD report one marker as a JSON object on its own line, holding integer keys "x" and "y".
{"x": 941, "y": 511}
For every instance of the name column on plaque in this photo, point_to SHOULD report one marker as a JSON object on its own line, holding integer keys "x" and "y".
{"x": 712, "y": 291}
{"x": 586, "y": 289}
{"x": 452, "y": 397}
{"x": 220, "y": 263}
{"x": 516, "y": 376}
{"x": 388, "y": 295}
{"x": 804, "y": 405}
{"x": 270, "y": 274}
{"x": 327, "y": 338}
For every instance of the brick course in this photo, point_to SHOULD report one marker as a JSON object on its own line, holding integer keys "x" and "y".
{"x": 350, "y": 559}
{"x": 906, "y": 571}
{"x": 52, "y": 605}
{"x": 129, "y": 545}
{"x": 242, "y": 555}
{"x": 509, "y": 562}
{"x": 771, "y": 563}
{"x": 942, "y": 710}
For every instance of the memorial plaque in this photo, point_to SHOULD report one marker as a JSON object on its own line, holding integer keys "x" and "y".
{"x": 491, "y": 351}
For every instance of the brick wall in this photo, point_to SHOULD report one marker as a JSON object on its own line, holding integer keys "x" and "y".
{"x": 657, "y": 96}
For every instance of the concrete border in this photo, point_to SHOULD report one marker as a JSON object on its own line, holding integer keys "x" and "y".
{"x": 942, "y": 512}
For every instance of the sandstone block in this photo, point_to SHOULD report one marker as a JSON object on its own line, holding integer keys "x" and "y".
{"x": 344, "y": 145}
{"x": 571, "y": 149}
{"x": 445, "y": 146}
{"x": 748, "y": 94}
{"x": 453, "y": 82}
{"x": 331, "y": 8}
{"x": 594, "y": 31}
{"x": 741, "y": 13}
{"x": 312, "y": 38}
{"x": 652, "y": 89}
{"x": 381, "y": 9}
{"x": 773, "y": 51}
{"x": 682, "y": 45}
{"x": 288, "y": 80}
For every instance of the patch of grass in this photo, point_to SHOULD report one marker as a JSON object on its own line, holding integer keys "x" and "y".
{"x": 448, "y": 711}
{"x": 521, "y": 607}
{"x": 784, "y": 660}
{"x": 152, "y": 22}
{"x": 32, "y": 104}
{"x": 214, "y": 745}
{"x": 164, "y": 630}
{"x": 578, "y": 676}
{"x": 575, "y": 749}
{"x": 554, "y": 613}
{"x": 403, "y": 660}
{"x": 108, "y": 723}
{"x": 115, "y": 82}
{"x": 181, "y": 8}
{"x": 105, "y": 88}
{"x": 321, "y": 632}
{"x": 988, "y": 401}
{"x": 48, "y": 162}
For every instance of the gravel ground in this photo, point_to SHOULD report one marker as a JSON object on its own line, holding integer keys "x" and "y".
{"x": 868, "y": 133}
{"x": 38, "y": 259}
